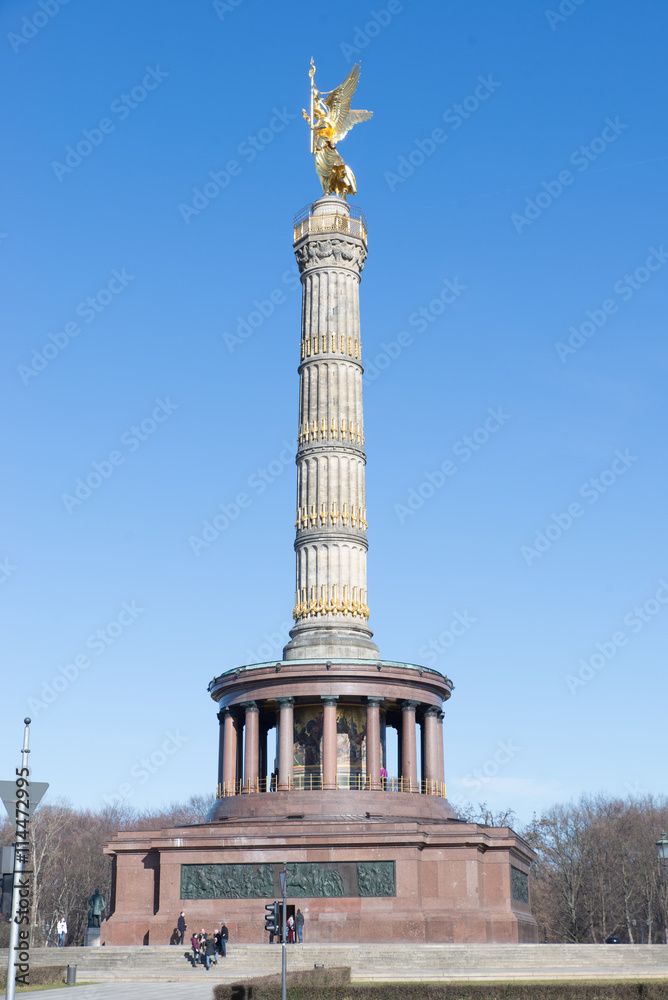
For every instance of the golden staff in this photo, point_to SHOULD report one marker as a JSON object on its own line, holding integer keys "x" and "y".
{"x": 311, "y": 73}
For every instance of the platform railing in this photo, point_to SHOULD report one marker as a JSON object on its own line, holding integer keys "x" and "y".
{"x": 355, "y": 223}
{"x": 344, "y": 782}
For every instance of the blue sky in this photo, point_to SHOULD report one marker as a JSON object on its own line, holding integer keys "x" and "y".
{"x": 516, "y": 155}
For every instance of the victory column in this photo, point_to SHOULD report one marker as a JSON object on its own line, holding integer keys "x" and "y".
{"x": 370, "y": 858}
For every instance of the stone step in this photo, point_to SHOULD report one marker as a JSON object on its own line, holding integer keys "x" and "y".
{"x": 369, "y": 961}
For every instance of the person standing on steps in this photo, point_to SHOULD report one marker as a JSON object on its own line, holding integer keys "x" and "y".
{"x": 181, "y": 927}
{"x": 210, "y": 951}
{"x": 224, "y": 935}
{"x": 299, "y": 926}
{"x": 194, "y": 944}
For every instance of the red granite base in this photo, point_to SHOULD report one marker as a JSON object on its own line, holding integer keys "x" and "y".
{"x": 453, "y": 880}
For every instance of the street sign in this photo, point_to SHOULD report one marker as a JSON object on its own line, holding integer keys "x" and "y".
{"x": 36, "y": 790}
{"x": 283, "y": 875}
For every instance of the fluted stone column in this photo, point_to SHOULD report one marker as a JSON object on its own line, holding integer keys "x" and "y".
{"x": 408, "y": 746}
{"x": 285, "y": 743}
{"x": 331, "y": 610}
{"x": 373, "y": 743}
{"x": 441, "y": 752}
{"x": 329, "y": 741}
{"x": 230, "y": 751}
{"x": 252, "y": 746}
{"x": 430, "y": 728}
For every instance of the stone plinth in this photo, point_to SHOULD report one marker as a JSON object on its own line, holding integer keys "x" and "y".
{"x": 92, "y": 937}
{"x": 452, "y": 881}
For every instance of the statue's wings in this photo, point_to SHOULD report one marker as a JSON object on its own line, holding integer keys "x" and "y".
{"x": 338, "y": 102}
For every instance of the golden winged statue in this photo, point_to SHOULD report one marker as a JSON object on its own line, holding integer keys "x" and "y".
{"x": 330, "y": 120}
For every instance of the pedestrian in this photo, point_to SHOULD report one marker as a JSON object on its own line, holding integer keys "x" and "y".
{"x": 194, "y": 944}
{"x": 62, "y": 932}
{"x": 224, "y": 935}
{"x": 383, "y": 778}
{"x": 181, "y": 927}
{"x": 209, "y": 952}
{"x": 291, "y": 929}
{"x": 299, "y": 926}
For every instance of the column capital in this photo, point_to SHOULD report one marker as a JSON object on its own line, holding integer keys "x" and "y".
{"x": 250, "y": 706}
{"x": 441, "y": 715}
{"x": 374, "y": 702}
{"x": 225, "y": 713}
{"x": 409, "y": 706}
{"x": 285, "y": 702}
{"x": 329, "y": 699}
{"x": 432, "y": 710}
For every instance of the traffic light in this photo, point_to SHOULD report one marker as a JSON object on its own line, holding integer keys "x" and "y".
{"x": 6, "y": 883}
{"x": 271, "y": 919}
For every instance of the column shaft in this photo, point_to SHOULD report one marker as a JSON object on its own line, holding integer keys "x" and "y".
{"x": 408, "y": 747}
{"x": 221, "y": 751}
{"x": 329, "y": 742}
{"x": 285, "y": 744}
{"x": 441, "y": 753}
{"x": 373, "y": 744}
{"x": 331, "y": 611}
{"x": 431, "y": 763}
{"x": 252, "y": 747}
{"x": 229, "y": 753}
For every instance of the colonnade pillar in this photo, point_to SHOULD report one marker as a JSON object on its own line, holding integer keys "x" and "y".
{"x": 430, "y": 744}
{"x": 408, "y": 745}
{"x": 285, "y": 743}
{"x": 329, "y": 741}
{"x": 252, "y": 747}
{"x": 441, "y": 758}
{"x": 230, "y": 750}
{"x": 373, "y": 743}
{"x": 221, "y": 749}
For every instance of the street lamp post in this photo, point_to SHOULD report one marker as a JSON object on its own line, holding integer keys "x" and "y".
{"x": 662, "y": 854}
